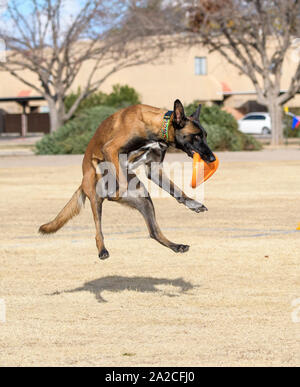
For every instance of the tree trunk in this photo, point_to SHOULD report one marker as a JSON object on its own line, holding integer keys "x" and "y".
{"x": 275, "y": 111}
{"x": 56, "y": 114}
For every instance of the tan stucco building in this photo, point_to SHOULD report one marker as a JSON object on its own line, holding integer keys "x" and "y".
{"x": 187, "y": 74}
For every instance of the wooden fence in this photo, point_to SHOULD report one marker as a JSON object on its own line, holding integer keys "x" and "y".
{"x": 36, "y": 123}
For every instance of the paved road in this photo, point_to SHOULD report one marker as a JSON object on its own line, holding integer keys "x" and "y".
{"x": 75, "y": 160}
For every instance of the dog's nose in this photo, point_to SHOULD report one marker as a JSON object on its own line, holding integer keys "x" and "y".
{"x": 212, "y": 158}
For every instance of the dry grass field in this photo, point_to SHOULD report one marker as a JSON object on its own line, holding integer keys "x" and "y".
{"x": 227, "y": 302}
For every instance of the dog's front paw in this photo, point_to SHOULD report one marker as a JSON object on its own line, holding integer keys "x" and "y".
{"x": 195, "y": 206}
{"x": 180, "y": 248}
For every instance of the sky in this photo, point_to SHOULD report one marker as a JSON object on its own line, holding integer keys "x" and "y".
{"x": 70, "y": 6}
{"x": 69, "y": 10}
{"x": 3, "y": 4}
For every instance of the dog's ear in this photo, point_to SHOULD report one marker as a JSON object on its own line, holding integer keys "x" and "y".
{"x": 196, "y": 115}
{"x": 179, "y": 116}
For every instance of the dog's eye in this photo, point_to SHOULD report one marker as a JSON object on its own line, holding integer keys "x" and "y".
{"x": 197, "y": 138}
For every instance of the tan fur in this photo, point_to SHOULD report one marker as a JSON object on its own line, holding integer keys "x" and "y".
{"x": 71, "y": 209}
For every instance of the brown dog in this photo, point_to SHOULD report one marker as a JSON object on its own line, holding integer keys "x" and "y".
{"x": 138, "y": 133}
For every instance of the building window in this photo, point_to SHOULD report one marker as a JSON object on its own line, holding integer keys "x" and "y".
{"x": 200, "y": 65}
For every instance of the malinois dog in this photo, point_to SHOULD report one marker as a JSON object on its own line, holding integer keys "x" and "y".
{"x": 142, "y": 133}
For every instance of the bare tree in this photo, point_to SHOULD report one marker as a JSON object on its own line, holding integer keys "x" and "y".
{"x": 54, "y": 39}
{"x": 3, "y": 5}
{"x": 254, "y": 36}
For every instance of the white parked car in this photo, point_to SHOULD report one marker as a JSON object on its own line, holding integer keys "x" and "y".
{"x": 255, "y": 123}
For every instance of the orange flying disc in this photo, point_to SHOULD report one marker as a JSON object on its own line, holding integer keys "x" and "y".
{"x": 202, "y": 170}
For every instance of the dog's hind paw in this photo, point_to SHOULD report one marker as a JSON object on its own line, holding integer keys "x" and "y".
{"x": 104, "y": 254}
{"x": 180, "y": 248}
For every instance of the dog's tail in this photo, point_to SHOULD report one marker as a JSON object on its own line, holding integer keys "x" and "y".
{"x": 71, "y": 209}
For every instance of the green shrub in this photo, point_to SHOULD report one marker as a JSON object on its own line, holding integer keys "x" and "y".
{"x": 120, "y": 97}
{"x": 95, "y": 99}
{"x": 222, "y": 129}
{"x": 74, "y": 136}
{"x": 213, "y": 115}
{"x": 220, "y": 139}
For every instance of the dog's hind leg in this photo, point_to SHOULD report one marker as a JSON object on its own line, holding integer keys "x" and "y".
{"x": 89, "y": 187}
{"x": 141, "y": 200}
{"x": 96, "y": 205}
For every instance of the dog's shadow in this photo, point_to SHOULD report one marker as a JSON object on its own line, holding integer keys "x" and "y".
{"x": 138, "y": 284}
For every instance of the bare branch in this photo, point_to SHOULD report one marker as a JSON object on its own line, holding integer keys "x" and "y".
{"x": 54, "y": 43}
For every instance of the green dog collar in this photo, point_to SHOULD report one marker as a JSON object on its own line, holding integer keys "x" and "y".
{"x": 165, "y": 125}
